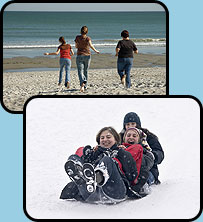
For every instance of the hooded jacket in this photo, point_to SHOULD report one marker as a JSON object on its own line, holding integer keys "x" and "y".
{"x": 123, "y": 158}
{"x": 151, "y": 140}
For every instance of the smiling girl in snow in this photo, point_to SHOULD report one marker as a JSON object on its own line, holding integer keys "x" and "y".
{"x": 107, "y": 173}
{"x": 135, "y": 142}
{"x": 131, "y": 119}
{"x": 101, "y": 174}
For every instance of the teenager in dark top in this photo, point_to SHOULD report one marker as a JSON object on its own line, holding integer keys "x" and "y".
{"x": 124, "y": 50}
{"x": 65, "y": 60}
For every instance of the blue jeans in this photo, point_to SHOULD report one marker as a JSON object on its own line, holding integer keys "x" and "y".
{"x": 124, "y": 66}
{"x": 151, "y": 178}
{"x": 67, "y": 63}
{"x": 83, "y": 63}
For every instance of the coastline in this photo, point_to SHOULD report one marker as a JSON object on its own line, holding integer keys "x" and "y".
{"x": 101, "y": 61}
{"x": 20, "y": 86}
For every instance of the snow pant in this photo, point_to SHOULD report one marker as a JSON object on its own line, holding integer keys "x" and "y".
{"x": 114, "y": 189}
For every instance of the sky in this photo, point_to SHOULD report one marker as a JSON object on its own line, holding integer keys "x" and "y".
{"x": 84, "y": 7}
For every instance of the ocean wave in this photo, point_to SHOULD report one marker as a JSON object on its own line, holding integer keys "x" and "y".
{"x": 139, "y": 40}
{"x": 97, "y": 43}
{"x": 28, "y": 46}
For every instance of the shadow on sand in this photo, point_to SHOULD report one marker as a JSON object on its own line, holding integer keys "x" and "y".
{"x": 57, "y": 91}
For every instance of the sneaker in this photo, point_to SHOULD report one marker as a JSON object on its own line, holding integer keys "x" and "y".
{"x": 74, "y": 171}
{"x": 89, "y": 175}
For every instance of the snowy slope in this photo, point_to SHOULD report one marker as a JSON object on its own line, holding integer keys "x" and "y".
{"x": 56, "y": 127}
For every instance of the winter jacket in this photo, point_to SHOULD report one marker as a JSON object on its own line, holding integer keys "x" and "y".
{"x": 144, "y": 162}
{"x": 158, "y": 154}
{"x": 136, "y": 150}
{"x": 124, "y": 160}
{"x": 156, "y": 150}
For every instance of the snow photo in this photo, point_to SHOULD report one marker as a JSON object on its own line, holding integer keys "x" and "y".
{"x": 55, "y": 128}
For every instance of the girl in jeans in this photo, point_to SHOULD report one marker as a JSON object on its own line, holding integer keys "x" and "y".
{"x": 124, "y": 51}
{"x": 83, "y": 44}
{"x": 65, "y": 60}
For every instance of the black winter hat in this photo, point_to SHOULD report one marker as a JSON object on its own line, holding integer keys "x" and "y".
{"x": 131, "y": 117}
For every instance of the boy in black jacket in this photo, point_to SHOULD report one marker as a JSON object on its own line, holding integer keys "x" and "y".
{"x": 131, "y": 119}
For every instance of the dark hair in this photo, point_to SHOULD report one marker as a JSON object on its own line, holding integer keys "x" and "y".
{"x": 84, "y": 30}
{"x": 112, "y": 131}
{"x": 124, "y": 34}
{"x": 62, "y": 40}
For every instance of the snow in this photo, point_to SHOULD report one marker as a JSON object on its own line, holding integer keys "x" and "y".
{"x": 56, "y": 127}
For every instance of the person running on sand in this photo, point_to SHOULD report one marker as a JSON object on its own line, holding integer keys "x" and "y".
{"x": 65, "y": 60}
{"x": 83, "y": 44}
{"x": 124, "y": 51}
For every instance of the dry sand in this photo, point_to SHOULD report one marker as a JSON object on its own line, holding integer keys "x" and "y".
{"x": 19, "y": 86}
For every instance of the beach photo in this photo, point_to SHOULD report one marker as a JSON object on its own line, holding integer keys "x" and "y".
{"x": 32, "y": 50}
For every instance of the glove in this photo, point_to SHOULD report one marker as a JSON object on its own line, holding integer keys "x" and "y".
{"x": 113, "y": 152}
{"x": 88, "y": 154}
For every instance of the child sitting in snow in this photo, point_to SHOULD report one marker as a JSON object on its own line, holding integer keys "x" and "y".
{"x": 102, "y": 174}
{"x": 135, "y": 142}
{"x": 131, "y": 119}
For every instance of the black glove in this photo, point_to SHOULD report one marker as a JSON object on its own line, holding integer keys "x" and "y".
{"x": 106, "y": 152}
{"x": 88, "y": 154}
{"x": 97, "y": 155}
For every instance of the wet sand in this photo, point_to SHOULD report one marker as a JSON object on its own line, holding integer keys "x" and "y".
{"x": 101, "y": 61}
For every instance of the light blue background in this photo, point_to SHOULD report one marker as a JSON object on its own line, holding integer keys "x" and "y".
{"x": 185, "y": 78}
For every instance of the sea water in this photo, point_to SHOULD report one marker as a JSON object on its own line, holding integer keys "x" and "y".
{"x": 31, "y": 34}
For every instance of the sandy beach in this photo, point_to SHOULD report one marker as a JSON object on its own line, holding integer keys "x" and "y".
{"x": 19, "y": 86}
